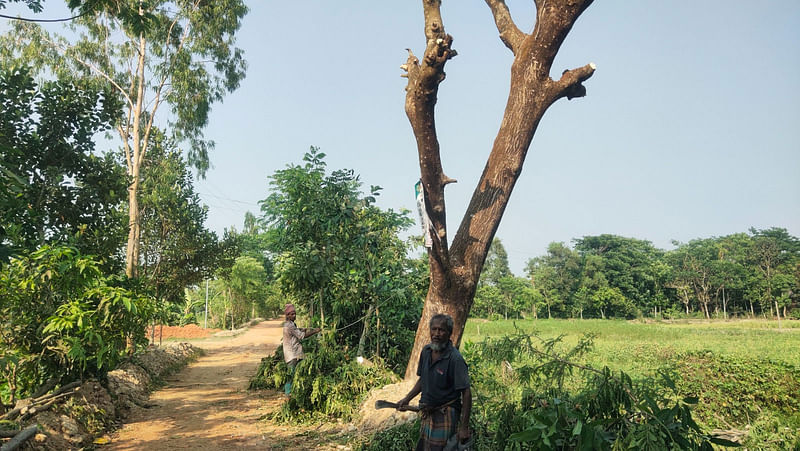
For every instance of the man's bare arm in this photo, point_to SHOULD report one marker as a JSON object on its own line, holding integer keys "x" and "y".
{"x": 414, "y": 392}
{"x": 310, "y": 331}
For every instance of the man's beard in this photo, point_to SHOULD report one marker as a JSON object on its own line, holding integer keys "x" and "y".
{"x": 438, "y": 346}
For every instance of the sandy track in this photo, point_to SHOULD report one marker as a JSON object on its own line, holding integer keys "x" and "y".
{"x": 207, "y": 405}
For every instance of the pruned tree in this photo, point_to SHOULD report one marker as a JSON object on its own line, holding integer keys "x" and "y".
{"x": 455, "y": 269}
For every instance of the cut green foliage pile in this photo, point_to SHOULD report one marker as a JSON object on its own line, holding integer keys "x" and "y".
{"x": 329, "y": 382}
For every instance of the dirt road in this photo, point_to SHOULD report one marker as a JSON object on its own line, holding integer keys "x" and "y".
{"x": 207, "y": 404}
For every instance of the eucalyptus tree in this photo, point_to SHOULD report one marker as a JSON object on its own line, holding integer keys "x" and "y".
{"x": 247, "y": 289}
{"x": 553, "y": 279}
{"x": 694, "y": 270}
{"x": 455, "y": 269}
{"x": 592, "y": 281}
{"x": 517, "y": 295}
{"x": 168, "y": 62}
{"x": 33, "y": 5}
{"x": 488, "y": 299}
{"x": 731, "y": 272}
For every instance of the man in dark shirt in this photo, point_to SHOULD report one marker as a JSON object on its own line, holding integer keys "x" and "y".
{"x": 446, "y": 400}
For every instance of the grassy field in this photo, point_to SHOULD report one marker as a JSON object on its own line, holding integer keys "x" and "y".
{"x": 637, "y": 347}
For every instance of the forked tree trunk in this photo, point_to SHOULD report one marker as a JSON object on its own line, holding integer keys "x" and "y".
{"x": 455, "y": 271}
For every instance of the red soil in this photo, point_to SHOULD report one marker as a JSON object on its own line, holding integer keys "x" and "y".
{"x": 188, "y": 331}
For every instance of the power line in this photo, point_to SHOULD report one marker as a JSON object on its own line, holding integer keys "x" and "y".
{"x": 25, "y": 19}
{"x": 228, "y": 199}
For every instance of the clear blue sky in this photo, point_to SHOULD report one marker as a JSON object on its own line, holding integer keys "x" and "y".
{"x": 690, "y": 127}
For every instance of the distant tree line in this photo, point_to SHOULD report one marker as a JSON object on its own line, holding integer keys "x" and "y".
{"x": 608, "y": 276}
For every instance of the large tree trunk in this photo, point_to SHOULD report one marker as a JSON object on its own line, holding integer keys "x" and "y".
{"x": 455, "y": 272}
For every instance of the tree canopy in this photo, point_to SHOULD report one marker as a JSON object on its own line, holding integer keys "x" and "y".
{"x": 152, "y": 56}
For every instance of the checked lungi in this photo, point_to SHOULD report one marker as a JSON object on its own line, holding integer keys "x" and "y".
{"x": 436, "y": 426}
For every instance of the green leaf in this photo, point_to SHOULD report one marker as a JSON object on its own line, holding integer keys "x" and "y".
{"x": 577, "y": 429}
{"x": 527, "y": 435}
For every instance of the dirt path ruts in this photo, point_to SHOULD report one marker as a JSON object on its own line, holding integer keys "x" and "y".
{"x": 207, "y": 405}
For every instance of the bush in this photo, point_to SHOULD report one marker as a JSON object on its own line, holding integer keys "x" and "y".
{"x": 61, "y": 318}
{"x": 272, "y": 372}
{"x": 775, "y": 431}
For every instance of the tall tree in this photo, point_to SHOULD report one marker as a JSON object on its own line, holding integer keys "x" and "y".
{"x": 628, "y": 264}
{"x": 178, "y": 54}
{"x": 555, "y": 276}
{"x": 339, "y": 256}
{"x": 695, "y": 267}
{"x": 247, "y": 286}
{"x": 496, "y": 266}
{"x": 775, "y": 253}
{"x": 455, "y": 269}
{"x": 730, "y": 274}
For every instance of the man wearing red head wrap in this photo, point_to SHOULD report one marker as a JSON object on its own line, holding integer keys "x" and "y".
{"x": 292, "y": 349}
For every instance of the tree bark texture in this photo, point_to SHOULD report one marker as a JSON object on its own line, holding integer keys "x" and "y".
{"x": 455, "y": 270}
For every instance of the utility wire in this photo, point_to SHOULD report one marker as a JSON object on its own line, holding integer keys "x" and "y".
{"x": 25, "y": 19}
{"x": 244, "y": 202}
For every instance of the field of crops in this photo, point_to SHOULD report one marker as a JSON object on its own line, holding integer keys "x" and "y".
{"x": 635, "y": 346}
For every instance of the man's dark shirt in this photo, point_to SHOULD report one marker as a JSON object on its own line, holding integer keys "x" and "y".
{"x": 443, "y": 380}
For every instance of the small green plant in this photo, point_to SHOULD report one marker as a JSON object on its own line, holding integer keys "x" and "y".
{"x": 404, "y": 436}
{"x": 760, "y": 396}
{"x": 775, "y": 431}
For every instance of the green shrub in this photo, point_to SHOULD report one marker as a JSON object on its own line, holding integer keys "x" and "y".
{"x": 61, "y": 317}
{"x": 404, "y": 436}
{"x": 775, "y": 431}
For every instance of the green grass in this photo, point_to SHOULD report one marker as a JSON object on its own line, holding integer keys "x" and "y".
{"x": 637, "y": 347}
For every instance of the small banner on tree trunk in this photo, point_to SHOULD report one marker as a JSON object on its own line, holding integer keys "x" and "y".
{"x": 425, "y": 222}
